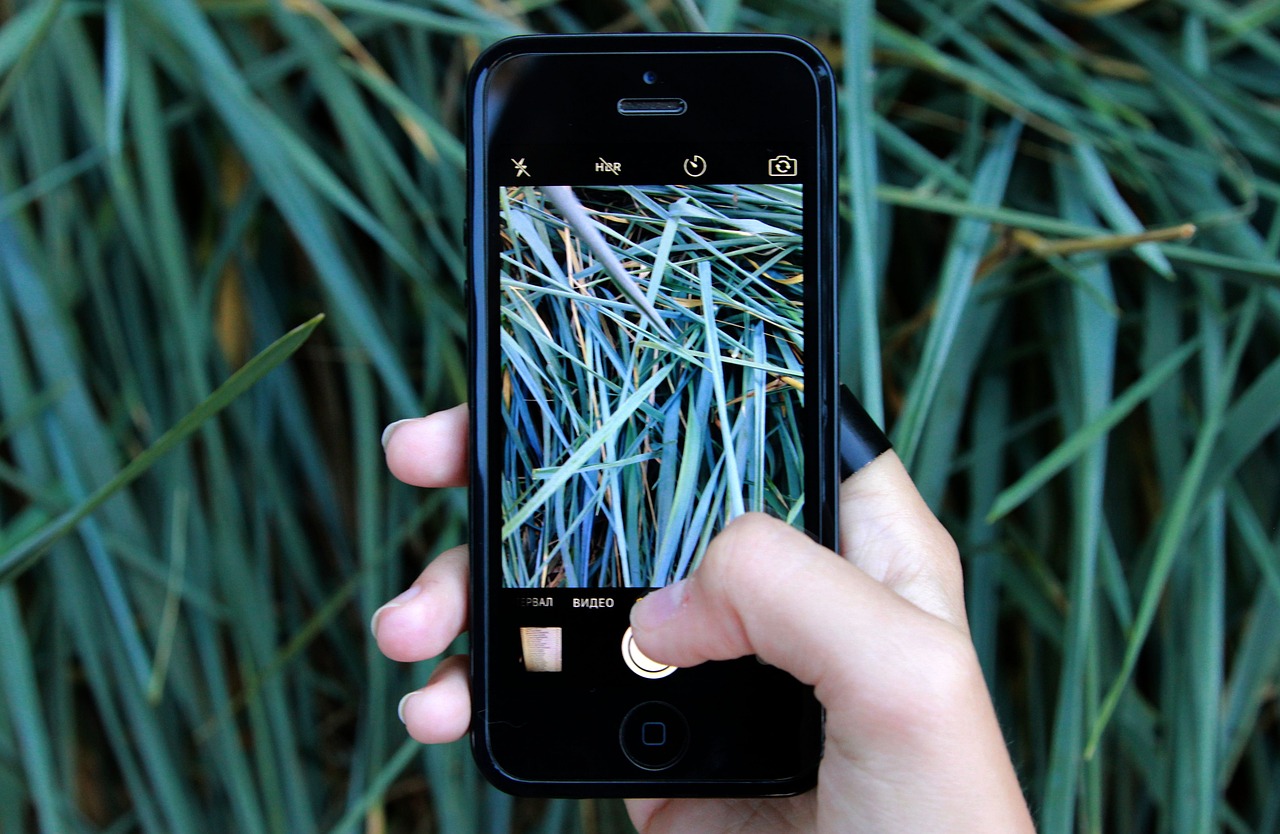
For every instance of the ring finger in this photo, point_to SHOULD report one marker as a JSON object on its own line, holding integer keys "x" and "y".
{"x": 421, "y": 622}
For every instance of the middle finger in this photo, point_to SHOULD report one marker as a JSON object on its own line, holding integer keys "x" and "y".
{"x": 423, "y": 621}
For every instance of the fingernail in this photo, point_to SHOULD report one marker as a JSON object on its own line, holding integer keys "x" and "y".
{"x": 390, "y": 430}
{"x": 659, "y": 606}
{"x": 409, "y": 593}
{"x": 400, "y": 706}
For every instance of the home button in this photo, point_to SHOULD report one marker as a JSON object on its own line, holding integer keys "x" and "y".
{"x": 654, "y": 735}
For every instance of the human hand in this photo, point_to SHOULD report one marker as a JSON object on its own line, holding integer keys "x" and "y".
{"x": 912, "y": 742}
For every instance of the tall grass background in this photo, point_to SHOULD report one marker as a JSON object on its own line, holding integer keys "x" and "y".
{"x": 1086, "y": 395}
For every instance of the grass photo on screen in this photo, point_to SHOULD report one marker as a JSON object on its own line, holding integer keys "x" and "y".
{"x": 652, "y": 374}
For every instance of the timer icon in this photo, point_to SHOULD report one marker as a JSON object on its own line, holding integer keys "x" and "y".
{"x": 695, "y": 166}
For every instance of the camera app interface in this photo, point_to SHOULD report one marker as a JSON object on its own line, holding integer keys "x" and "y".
{"x": 652, "y": 376}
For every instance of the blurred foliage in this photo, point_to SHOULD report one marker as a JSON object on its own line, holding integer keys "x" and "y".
{"x": 1088, "y": 397}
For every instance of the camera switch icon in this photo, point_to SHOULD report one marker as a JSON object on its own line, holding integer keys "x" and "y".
{"x": 782, "y": 166}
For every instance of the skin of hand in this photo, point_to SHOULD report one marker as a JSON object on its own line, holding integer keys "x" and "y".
{"x": 912, "y": 741}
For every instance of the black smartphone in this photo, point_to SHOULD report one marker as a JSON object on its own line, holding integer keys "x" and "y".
{"x": 653, "y": 352}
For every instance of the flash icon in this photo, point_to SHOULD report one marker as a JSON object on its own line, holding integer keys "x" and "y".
{"x": 521, "y": 169}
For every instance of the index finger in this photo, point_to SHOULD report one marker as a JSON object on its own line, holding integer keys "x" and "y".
{"x": 429, "y": 451}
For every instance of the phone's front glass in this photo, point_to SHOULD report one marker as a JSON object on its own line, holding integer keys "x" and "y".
{"x": 650, "y": 280}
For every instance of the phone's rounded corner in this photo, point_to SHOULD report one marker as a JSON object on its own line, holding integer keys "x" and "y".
{"x": 806, "y": 52}
{"x": 496, "y": 774}
{"x": 492, "y": 57}
{"x": 497, "y": 52}
{"x": 801, "y": 783}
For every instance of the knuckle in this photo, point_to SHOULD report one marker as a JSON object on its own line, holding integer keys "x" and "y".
{"x": 739, "y": 554}
{"x": 735, "y": 577}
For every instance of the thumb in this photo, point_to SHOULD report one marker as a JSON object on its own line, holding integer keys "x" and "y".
{"x": 904, "y": 694}
{"x": 765, "y": 588}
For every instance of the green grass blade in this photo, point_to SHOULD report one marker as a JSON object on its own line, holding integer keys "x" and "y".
{"x": 861, "y": 287}
{"x": 954, "y": 286}
{"x": 1012, "y": 496}
{"x": 1177, "y": 519}
{"x": 733, "y": 473}
{"x": 29, "y": 552}
{"x": 587, "y": 447}
{"x": 18, "y": 681}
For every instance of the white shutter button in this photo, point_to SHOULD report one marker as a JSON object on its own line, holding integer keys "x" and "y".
{"x": 641, "y": 664}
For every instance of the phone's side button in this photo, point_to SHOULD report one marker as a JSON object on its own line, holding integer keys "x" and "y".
{"x": 654, "y": 735}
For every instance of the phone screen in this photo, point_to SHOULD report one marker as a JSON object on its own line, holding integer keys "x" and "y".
{"x": 652, "y": 373}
